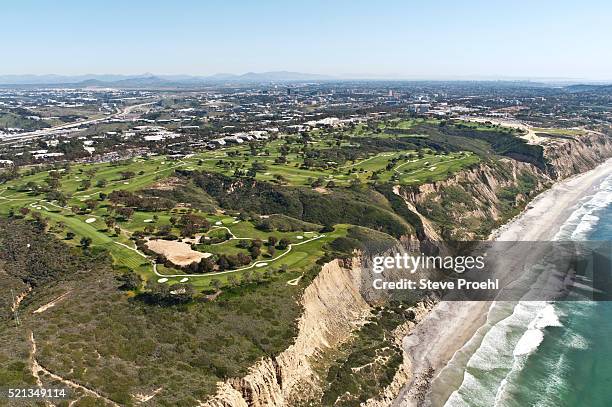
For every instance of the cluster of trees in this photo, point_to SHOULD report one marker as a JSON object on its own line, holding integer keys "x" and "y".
{"x": 164, "y": 294}
{"x": 233, "y": 261}
{"x": 141, "y": 202}
{"x": 190, "y": 224}
{"x": 339, "y": 206}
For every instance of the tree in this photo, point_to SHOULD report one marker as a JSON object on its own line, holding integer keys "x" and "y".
{"x": 243, "y": 259}
{"x": 157, "y": 293}
{"x": 255, "y": 252}
{"x": 127, "y": 174}
{"x": 205, "y": 266}
{"x": 272, "y": 240}
{"x": 110, "y": 222}
{"x": 129, "y": 281}
{"x": 181, "y": 293}
{"x": 85, "y": 184}
{"x": 327, "y": 229}
{"x": 125, "y": 212}
{"x": 164, "y": 230}
{"x": 70, "y": 235}
{"x": 283, "y": 243}
{"x": 54, "y": 183}
{"x": 85, "y": 242}
{"x": 222, "y": 263}
{"x": 91, "y": 204}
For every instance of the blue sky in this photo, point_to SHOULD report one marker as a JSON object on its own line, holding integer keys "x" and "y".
{"x": 399, "y": 39}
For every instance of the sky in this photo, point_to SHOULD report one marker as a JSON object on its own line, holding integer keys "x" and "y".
{"x": 406, "y": 39}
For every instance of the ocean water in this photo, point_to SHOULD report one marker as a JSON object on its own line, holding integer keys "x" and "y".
{"x": 538, "y": 353}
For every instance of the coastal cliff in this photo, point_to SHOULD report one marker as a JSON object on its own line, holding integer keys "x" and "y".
{"x": 333, "y": 308}
{"x": 467, "y": 205}
{"x": 578, "y": 154}
{"x": 473, "y": 202}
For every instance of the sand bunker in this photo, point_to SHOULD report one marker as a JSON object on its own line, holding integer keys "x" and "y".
{"x": 162, "y": 280}
{"x": 90, "y": 220}
{"x": 179, "y": 253}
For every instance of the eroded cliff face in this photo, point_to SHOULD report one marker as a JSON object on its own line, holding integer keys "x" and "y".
{"x": 472, "y": 202}
{"x": 337, "y": 302}
{"x": 582, "y": 153}
{"x": 333, "y": 308}
{"x": 404, "y": 372}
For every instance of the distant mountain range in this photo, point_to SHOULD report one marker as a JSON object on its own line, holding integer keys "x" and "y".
{"x": 149, "y": 80}
{"x": 589, "y": 88}
{"x": 158, "y": 80}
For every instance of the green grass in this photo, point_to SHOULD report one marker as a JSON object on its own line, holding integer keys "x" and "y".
{"x": 62, "y": 221}
{"x": 104, "y": 178}
{"x": 565, "y": 132}
{"x": 293, "y": 173}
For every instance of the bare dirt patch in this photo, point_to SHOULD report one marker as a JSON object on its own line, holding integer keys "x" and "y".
{"x": 167, "y": 184}
{"x": 179, "y": 253}
{"x": 51, "y": 303}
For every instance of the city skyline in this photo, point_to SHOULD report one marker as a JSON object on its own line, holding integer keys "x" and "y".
{"x": 395, "y": 40}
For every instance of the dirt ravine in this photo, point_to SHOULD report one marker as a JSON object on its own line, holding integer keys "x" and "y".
{"x": 51, "y": 303}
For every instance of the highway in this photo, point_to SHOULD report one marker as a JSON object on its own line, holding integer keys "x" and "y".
{"x": 68, "y": 126}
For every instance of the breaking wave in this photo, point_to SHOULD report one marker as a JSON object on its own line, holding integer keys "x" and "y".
{"x": 494, "y": 370}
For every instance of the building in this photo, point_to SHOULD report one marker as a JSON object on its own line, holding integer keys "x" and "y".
{"x": 418, "y": 108}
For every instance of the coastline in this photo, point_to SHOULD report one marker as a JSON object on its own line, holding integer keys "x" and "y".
{"x": 450, "y": 325}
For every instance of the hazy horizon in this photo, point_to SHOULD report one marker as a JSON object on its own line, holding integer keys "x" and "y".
{"x": 112, "y": 78}
{"x": 474, "y": 40}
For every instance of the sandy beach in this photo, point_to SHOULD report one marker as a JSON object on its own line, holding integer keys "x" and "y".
{"x": 450, "y": 325}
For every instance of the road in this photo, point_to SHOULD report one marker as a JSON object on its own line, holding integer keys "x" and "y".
{"x": 63, "y": 127}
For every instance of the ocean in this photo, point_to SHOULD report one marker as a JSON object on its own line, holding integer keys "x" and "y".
{"x": 541, "y": 353}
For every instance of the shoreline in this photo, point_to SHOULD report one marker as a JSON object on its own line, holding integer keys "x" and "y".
{"x": 450, "y": 325}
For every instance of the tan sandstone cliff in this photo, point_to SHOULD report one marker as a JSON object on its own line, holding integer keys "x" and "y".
{"x": 333, "y": 308}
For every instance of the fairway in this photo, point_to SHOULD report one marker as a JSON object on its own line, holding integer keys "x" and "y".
{"x": 87, "y": 215}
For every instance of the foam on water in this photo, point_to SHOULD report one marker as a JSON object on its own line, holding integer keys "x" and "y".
{"x": 493, "y": 370}
{"x": 533, "y": 337}
{"x": 501, "y": 352}
{"x": 578, "y": 341}
{"x": 583, "y": 220}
